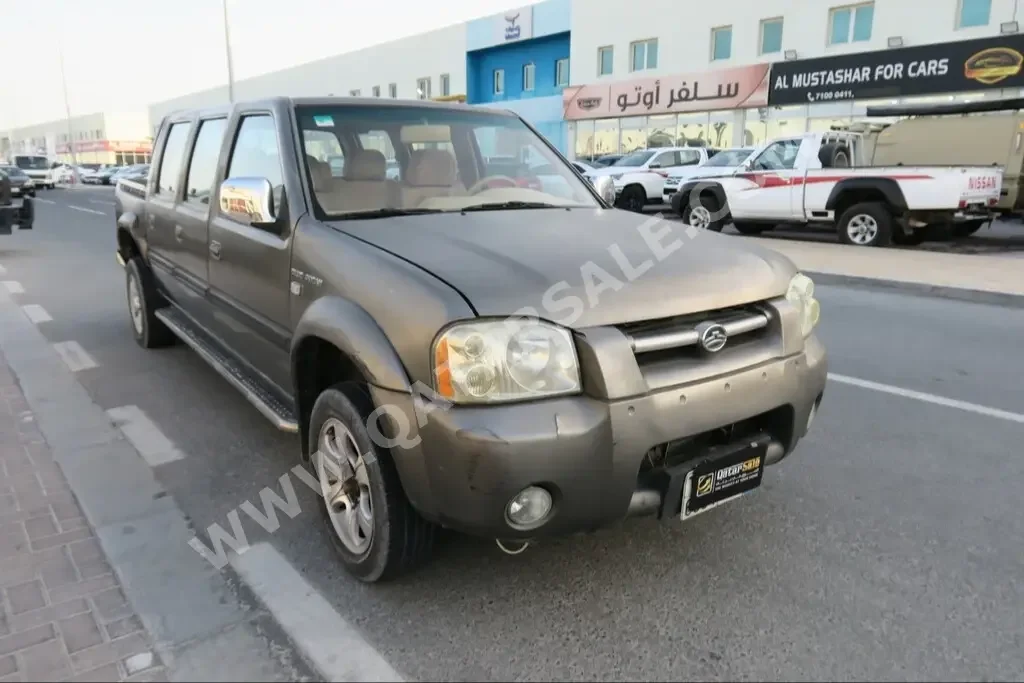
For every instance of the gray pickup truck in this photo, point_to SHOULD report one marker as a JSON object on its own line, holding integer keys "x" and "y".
{"x": 497, "y": 353}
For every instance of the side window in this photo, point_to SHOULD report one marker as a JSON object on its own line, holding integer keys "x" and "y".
{"x": 778, "y": 156}
{"x": 689, "y": 157}
{"x": 203, "y": 167}
{"x": 256, "y": 153}
{"x": 170, "y": 163}
{"x": 665, "y": 160}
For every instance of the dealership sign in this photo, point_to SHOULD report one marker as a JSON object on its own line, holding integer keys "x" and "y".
{"x": 926, "y": 70}
{"x": 737, "y": 88}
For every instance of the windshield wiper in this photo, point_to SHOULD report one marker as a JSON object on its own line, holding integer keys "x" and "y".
{"x": 502, "y": 206}
{"x": 380, "y": 213}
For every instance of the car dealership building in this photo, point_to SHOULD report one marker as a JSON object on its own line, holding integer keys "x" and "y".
{"x": 605, "y": 76}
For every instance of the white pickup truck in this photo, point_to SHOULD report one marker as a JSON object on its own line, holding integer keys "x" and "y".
{"x": 815, "y": 178}
{"x": 639, "y": 176}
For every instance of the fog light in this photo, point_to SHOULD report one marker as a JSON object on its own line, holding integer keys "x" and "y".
{"x": 529, "y": 507}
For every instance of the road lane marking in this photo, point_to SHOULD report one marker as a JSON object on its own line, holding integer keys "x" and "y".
{"x": 151, "y": 443}
{"x": 329, "y": 642}
{"x": 14, "y": 287}
{"x": 45, "y": 201}
{"x": 74, "y": 356}
{"x": 87, "y": 210}
{"x": 36, "y": 313}
{"x": 928, "y": 398}
{"x": 101, "y": 201}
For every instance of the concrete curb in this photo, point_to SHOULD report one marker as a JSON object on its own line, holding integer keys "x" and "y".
{"x": 200, "y": 620}
{"x": 920, "y": 289}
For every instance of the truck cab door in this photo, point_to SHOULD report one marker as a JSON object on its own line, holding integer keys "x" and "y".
{"x": 769, "y": 184}
{"x": 250, "y": 264}
{"x": 159, "y": 223}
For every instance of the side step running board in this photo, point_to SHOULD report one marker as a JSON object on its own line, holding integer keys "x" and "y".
{"x": 254, "y": 389}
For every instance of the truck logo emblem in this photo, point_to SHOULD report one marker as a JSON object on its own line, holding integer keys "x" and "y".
{"x": 712, "y": 337}
{"x": 588, "y": 103}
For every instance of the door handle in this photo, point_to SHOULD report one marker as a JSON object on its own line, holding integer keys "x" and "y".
{"x": 215, "y": 250}
{"x": 179, "y": 233}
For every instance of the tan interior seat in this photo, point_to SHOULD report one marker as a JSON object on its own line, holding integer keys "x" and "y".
{"x": 364, "y": 187}
{"x": 431, "y": 173}
{"x": 320, "y": 172}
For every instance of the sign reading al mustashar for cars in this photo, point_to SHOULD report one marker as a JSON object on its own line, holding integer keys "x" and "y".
{"x": 929, "y": 69}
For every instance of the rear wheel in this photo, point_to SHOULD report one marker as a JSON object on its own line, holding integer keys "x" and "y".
{"x": 143, "y": 300}
{"x": 868, "y": 224}
{"x": 704, "y": 214}
{"x": 372, "y": 526}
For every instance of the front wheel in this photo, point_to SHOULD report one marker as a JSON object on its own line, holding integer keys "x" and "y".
{"x": 703, "y": 215}
{"x": 868, "y": 224}
{"x": 372, "y": 526}
{"x": 633, "y": 199}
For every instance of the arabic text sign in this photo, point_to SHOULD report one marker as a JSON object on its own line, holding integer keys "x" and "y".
{"x": 741, "y": 87}
{"x": 513, "y": 25}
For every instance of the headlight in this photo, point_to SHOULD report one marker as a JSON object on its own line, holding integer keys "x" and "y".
{"x": 801, "y": 295}
{"x": 504, "y": 360}
{"x": 29, "y": 184}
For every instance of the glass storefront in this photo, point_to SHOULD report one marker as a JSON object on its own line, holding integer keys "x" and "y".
{"x": 594, "y": 138}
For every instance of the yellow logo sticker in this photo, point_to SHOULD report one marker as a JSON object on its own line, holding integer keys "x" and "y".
{"x": 993, "y": 65}
{"x": 705, "y": 484}
{"x": 751, "y": 465}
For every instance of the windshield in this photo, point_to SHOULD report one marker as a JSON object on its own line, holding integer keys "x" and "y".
{"x": 634, "y": 159}
{"x": 379, "y": 161}
{"x": 32, "y": 163}
{"x": 729, "y": 157}
{"x": 12, "y": 171}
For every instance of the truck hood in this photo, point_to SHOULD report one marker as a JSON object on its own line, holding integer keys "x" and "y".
{"x": 503, "y": 261}
{"x": 615, "y": 170}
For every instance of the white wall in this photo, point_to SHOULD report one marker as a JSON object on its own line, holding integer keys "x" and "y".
{"x": 683, "y": 29}
{"x": 402, "y": 62}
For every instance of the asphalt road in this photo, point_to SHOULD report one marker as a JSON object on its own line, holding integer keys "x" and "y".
{"x": 887, "y": 547}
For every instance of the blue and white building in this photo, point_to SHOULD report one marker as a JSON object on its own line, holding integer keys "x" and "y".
{"x": 519, "y": 60}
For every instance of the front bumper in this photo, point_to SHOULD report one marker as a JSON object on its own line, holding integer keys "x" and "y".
{"x": 468, "y": 462}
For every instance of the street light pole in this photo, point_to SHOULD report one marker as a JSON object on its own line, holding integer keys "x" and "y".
{"x": 227, "y": 54}
{"x": 67, "y": 108}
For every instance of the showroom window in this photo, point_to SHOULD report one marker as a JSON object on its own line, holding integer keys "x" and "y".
{"x": 562, "y": 72}
{"x": 529, "y": 77}
{"x": 644, "y": 55}
{"x": 721, "y": 43}
{"x": 605, "y": 60}
{"x": 851, "y": 24}
{"x": 771, "y": 36}
{"x": 974, "y": 13}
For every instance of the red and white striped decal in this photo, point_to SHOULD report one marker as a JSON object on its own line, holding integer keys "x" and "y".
{"x": 764, "y": 181}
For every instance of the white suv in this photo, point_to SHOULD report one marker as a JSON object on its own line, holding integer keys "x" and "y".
{"x": 640, "y": 176}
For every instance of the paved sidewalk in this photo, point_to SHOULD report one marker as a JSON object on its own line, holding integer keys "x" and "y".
{"x": 984, "y": 273}
{"x": 64, "y": 616}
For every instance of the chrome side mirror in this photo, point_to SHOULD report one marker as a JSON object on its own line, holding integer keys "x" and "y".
{"x": 249, "y": 201}
{"x": 605, "y": 187}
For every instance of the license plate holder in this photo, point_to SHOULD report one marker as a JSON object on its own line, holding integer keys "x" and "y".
{"x": 719, "y": 480}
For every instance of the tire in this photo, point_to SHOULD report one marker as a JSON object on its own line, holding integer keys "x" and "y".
{"x": 745, "y": 228}
{"x": 633, "y": 198}
{"x": 27, "y": 218}
{"x": 149, "y": 331}
{"x": 705, "y": 221}
{"x": 834, "y": 155}
{"x": 399, "y": 539}
{"x": 868, "y": 224}
{"x": 967, "y": 228}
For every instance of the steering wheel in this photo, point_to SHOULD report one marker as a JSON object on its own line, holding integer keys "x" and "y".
{"x": 486, "y": 183}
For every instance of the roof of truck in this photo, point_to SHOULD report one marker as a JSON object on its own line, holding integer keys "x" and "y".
{"x": 338, "y": 102}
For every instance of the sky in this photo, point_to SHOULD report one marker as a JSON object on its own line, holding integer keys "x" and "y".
{"x": 121, "y": 55}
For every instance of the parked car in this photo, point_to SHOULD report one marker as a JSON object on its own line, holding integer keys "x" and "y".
{"x": 21, "y": 184}
{"x": 639, "y": 177}
{"x": 820, "y": 179}
{"x": 723, "y": 163}
{"x": 392, "y": 326}
{"x": 105, "y": 175}
{"x": 583, "y": 168}
{"x": 133, "y": 172}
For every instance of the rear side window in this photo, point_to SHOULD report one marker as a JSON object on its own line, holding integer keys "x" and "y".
{"x": 203, "y": 167}
{"x": 170, "y": 163}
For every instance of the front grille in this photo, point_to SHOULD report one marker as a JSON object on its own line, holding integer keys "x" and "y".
{"x": 740, "y": 323}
